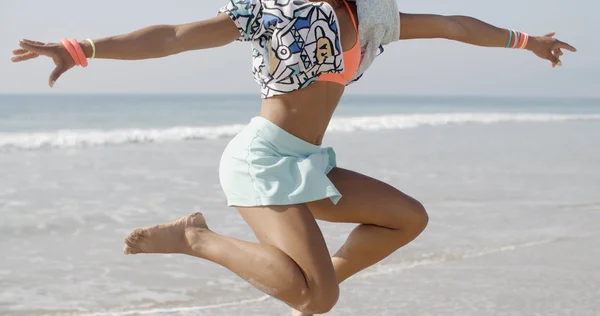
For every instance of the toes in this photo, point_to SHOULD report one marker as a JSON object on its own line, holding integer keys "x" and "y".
{"x": 141, "y": 233}
{"x": 136, "y": 236}
{"x": 131, "y": 250}
{"x": 129, "y": 242}
{"x": 133, "y": 240}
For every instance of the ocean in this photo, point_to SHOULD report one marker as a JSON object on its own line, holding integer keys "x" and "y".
{"x": 512, "y": 187}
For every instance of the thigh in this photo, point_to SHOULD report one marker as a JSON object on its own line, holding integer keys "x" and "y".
{"x": 293, "y": 230}
{"x": 366, "y": 200}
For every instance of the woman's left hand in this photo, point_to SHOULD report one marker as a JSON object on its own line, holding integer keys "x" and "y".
{"x": 549, "y": 48}
{"x": 57, "y": 52}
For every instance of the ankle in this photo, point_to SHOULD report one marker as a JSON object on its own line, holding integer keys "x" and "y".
{"x": 198, "y": 240}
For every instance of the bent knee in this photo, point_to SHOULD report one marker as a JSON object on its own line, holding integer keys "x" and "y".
{"x": 411, "y": 216}
{"x": 321, "y": 300}
{"x": 420, "y": 217}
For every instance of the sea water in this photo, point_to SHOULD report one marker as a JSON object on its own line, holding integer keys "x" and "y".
{"x": 512, "y": 187}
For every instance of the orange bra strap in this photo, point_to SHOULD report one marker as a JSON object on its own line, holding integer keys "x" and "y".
{"x": 351, "y": 14}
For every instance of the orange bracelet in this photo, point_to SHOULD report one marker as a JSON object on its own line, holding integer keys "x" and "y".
{"x": 520, "y": 45}
{"x": 524, "y": 46}
{"x": 82, "y": 59}
{"x": 69, "y": 47}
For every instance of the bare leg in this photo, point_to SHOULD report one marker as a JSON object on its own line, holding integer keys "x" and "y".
{"x": 291, "y": 263}
{"x": 388, "y": 220}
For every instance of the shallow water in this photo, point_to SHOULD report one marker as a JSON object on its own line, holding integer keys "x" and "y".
{"x": 514, "y": 207}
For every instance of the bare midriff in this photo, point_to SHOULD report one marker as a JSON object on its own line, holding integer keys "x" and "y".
{"x": 306, "y": 113}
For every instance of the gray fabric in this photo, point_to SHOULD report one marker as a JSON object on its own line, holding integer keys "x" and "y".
{"x": 378, "y": 25}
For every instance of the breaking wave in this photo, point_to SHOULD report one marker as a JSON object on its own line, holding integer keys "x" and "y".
{"x": 65, "y": 139}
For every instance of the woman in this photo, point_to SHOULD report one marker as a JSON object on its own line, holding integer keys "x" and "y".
{"x": 275, "y": 172}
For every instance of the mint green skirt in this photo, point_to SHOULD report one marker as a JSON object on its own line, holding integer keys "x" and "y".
{"x": 265, "y": 165}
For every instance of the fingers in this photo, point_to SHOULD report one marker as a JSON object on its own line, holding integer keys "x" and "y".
{"x": 23, "y": 57}
{"x": 554, "y": 60}
{"x": 30, "y": 42}
{"x": 36, "y": 48}
{"x": 557, "y": 52}
{"x": 553, "y": 57}
{"x": 19, "y": 51}
{"x": 27, "y": 52}
{"x": 56, "y": 73}
{"x": 564, "y": 45}
{"x": 560, "y": 44}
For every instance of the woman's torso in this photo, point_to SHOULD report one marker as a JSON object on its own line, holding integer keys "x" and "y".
{"x": 306, "y": 112}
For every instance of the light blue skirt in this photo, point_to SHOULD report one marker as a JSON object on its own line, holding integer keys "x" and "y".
{"x": 265, "y": 165}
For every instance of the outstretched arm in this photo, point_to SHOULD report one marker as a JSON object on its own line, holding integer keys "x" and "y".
{"x": 165, "y": 40}
{"x": 475, "y": 32}
{"x": 151, "y": 42}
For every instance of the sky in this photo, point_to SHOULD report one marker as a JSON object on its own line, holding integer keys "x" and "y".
{"x": 416, "y": 67}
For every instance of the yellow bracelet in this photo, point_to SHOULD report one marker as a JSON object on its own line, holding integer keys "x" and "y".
{"x": 93, "y": 47}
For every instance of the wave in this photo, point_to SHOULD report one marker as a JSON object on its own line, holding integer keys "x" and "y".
{"x": 65, "y": 139}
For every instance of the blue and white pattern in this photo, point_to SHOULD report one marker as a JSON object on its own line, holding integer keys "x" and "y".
{"x": 293, "y": 41}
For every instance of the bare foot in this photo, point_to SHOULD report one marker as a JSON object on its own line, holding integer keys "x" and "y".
{"x": 176, "y": 237}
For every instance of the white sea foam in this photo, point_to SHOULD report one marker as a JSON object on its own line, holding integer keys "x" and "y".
{"x": 181, "y": 309}
{"x": 93, "y": 138}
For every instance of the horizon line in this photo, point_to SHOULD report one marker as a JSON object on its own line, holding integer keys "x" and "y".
{"x": 51, "y": 94}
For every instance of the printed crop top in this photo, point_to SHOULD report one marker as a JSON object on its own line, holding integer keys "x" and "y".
{"x": 351, "y": 59}
{"x": 293, "y": 42}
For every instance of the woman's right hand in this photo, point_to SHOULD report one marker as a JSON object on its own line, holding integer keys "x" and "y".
{"x": 549, "y": 48}
{"x": 32, "y": 49}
